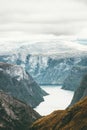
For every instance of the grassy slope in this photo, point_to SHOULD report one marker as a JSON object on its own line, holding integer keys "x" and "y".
{"x": 73, "y": 118}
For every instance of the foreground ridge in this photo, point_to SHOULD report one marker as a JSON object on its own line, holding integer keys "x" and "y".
{"x": 73, "y": 118}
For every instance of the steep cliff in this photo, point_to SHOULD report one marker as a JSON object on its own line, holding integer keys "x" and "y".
{"x": 14, "y": 114}
{"x": 18, "y": 83}
{"x": 47, "y": 62}
{"x": 73, "y": 118}
{"x": 73, "y": 80}
{"x": 81, "y": 92}
{"x": 45, "y": 69}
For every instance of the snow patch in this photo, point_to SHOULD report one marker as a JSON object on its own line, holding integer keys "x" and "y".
{"x": 17, "y": 72}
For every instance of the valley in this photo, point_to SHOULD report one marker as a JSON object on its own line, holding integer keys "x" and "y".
{"x": 43, "y": 64}
{"x": 58, "y": 99}
{"x": 47, "y": 82}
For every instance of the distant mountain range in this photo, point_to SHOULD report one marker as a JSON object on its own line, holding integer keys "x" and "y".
{"x": 48, "y": 63}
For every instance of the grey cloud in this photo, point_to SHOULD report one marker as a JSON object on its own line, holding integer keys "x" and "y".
{"x": 55, "y": 29}
{"x": 65, "y": 17}
{"x": 83, "y": 1}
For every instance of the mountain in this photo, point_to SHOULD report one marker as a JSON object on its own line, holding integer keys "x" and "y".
{"x": 14, "y": 114}
{"x": 49, "y": 70}
{"x": 73, "y": 118}
{"x": 45, "y": 69}
{"x": 18, "y": 83}
{"x": 81, "y": 92}
{"x": 44, "y": 47}
{"x": 47, "y": 62}
{"x": 73, "y": 80}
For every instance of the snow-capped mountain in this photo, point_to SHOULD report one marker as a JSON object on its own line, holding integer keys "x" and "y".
{"x": 43, "y": 47}
{"x": 48, "y": 62}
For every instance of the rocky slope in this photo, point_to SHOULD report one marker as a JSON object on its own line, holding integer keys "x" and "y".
{"x": 14, "y": 114}
{"x": 81, "y": 92}
{"x": 18, "y": 83}
{"x": 74, "y": 79}
{"x": 73, "y": 118}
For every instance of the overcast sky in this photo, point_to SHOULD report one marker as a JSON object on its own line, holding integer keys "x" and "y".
{"x": 29, "y": 19}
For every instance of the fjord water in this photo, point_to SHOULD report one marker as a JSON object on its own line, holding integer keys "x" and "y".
{"x": 57, "y": 99}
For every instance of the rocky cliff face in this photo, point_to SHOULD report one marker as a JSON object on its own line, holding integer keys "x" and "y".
{"x": 45, "y": 69}
{"x": 73, "y": 118}
{"x": 81, "y": 92}
{"x": 49, "y": 70}
{"x": 14, "y": 114}
{"x": 47, "y": 64}
{"x": 18, "y": 83}
{"x": 74, "y": 79}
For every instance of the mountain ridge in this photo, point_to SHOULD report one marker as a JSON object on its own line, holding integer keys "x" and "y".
{"x": 19, "y": 84}
{"x": 73, "y": 118}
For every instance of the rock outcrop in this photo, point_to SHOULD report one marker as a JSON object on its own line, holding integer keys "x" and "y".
{"x": 14, "y": 114}
{"x": 73, "y": 118}
{"x": 19, "y": 84}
